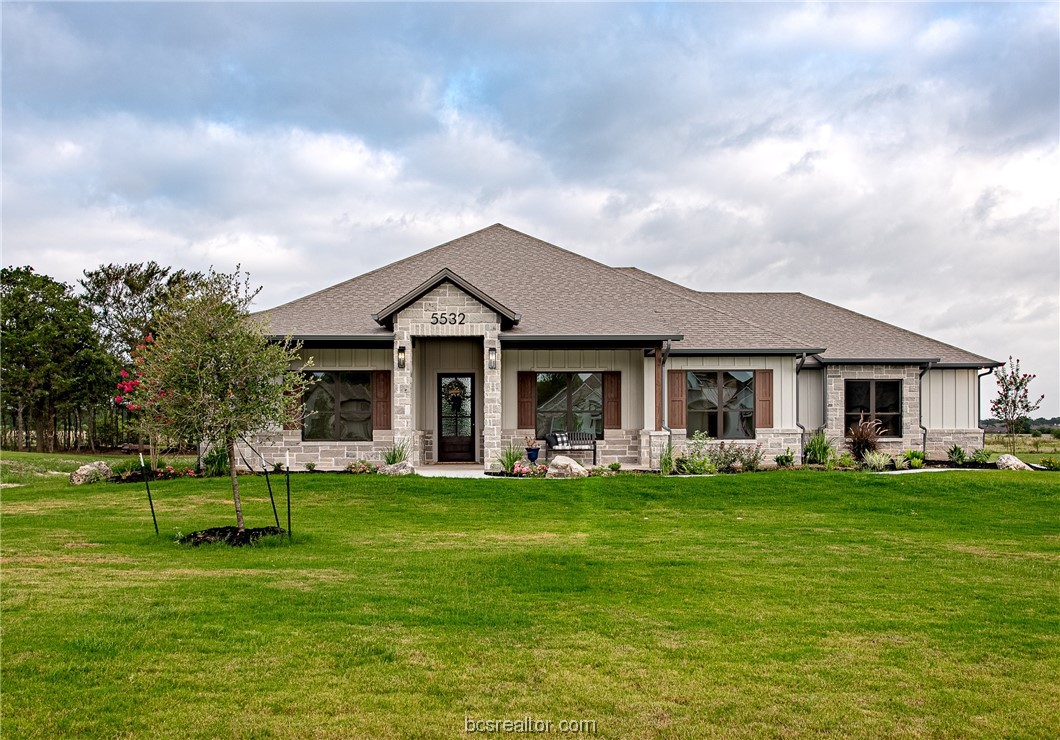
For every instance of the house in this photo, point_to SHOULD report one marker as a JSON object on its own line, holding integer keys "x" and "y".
{"x": 496, "y": 336}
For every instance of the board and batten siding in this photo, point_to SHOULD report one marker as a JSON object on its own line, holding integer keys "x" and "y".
{"x": 811, "y": 398}
{"x": 627, "y": 362}
{"x": 783, "y": 368}
{"x": 950, "y": 399}
{"x": 435, "y": 356}
{"x": 328, "y": 358}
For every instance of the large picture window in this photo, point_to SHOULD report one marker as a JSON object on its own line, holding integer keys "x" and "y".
{"x": 721, "y": 403}
{"x": 570, "y": 402}
{"x": 338, "y": 406}
{"x": 875, "y": 399}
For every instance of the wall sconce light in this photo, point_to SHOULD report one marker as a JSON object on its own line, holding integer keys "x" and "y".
{"x": 491, "y": 363}
{"x": 401, "y": 357}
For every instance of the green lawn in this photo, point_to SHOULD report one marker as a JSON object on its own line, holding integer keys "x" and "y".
{"x": 779, "y": 603}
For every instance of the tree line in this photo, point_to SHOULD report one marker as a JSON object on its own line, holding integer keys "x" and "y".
{"x": 62, "y": 351}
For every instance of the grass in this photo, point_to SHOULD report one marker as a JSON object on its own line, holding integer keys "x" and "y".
{"x": 780, "y": 603}
{"x": 1028, "y": 449}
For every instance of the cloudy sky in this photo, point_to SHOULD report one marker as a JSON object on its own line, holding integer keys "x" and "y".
{"x": 899, "y": 159}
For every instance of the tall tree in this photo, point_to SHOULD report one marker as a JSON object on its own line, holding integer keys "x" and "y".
{"x": 211, "y": 374}
{"x": 1013, "y": 403}
{"x": 52, "y": 355}
{"x": 127, "y": 298}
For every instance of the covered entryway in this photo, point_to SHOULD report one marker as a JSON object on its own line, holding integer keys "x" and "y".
{"x": 456, "y": 418}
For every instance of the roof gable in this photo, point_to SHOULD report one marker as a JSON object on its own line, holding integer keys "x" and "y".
{"x": 385, "y": 317}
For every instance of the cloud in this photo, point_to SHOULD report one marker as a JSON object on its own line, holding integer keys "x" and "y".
{"x": 899, "y": 159}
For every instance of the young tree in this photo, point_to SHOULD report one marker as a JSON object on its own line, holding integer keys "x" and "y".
{"x": 1013, "y": 403}
{"x": 211, "y": 374}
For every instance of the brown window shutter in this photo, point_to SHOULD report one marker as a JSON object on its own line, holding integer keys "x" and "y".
{"x": 380, "y": 399}
{"x": 677, "y": 388}
{"x": 763, "y": 399}
{"x": 527, "y": 403}
{"x": 613, "y": 400}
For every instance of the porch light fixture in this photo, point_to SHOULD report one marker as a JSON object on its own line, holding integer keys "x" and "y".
{"x": 491, "y": 363}
{"x": 401, "y": 357}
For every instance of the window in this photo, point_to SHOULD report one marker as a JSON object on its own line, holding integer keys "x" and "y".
{"x": 875, "y": 399}
{"x": 570, "y": 402}
{"x": 721, "y": 403}
{"x": 338, "y": 406}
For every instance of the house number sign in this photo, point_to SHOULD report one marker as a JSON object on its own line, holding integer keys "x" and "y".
{"x": 448, "y": 318}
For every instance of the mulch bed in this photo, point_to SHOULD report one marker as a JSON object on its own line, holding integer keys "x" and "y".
{"x": 230, "y": 536}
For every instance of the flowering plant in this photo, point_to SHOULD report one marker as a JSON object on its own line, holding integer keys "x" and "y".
{"x": 525, "y": 470}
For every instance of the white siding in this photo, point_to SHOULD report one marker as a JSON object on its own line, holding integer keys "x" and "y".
{"x": 811, "y": 398}
{"x": 783, "y": 368}
{"x": 629, "y": 362}
{"x": 950, "y": 399}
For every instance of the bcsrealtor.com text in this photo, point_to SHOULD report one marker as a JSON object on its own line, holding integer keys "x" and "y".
{"x": 530, "y": 725}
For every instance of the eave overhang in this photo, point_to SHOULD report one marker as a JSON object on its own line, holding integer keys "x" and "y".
{"x": 385, "y": 318}
{"x": 589, "y": 341}
{"x": 716, "y": 351}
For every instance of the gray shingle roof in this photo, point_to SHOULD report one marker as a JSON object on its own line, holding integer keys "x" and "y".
{"x": 561, "y": 294}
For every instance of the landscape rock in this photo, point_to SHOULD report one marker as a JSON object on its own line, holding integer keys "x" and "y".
{"x": 90, "y": 473}
{"x": 1011, "y": 462}
{"x": 402, "y": 468}
{"x": 564, "y": 467}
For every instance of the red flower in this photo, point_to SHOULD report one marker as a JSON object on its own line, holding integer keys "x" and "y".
{"x": 119, "y": 399}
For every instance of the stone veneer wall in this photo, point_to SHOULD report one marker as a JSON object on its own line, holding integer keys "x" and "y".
{"x": 835, "y": 426}
{"x": 940, "y": 440}
{"x": 276, "y": 446}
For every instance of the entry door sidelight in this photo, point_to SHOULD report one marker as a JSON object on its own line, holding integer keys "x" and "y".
{"x": 456, "y": 418}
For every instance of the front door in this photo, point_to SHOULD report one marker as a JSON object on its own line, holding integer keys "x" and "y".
{"x": 456, "y": 418}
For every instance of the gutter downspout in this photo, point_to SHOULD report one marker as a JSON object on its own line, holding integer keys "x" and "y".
{"x": 666, "y": 394}
{"x": 923, "y": 429}
{"x": 802, "y": 429}
{"x": 979, "y": 400}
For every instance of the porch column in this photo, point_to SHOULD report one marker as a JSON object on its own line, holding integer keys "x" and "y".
{"x": 491, "y": 396}
{"x": 402, "y": 420}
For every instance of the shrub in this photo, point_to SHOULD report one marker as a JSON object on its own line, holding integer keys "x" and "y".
{"x": 362, "y": 467}
{"x": 277, "y": 467}
{"x": 1056, "y": 434}
{"x": 785, "y": 460}
{"x": 912, "y": 455}
{"x": 901, "y": 462}
{"x": 863, "y": 437}
{"x": 846, "y": 460}
{"x": 956, "y": 455}
{"x": 735, "y": 458}
{"x": 510, "y": 455}
{"x": 916, "y": 462}
{"x": 310, "y": 466}
{"x": 980, "y": 456}
{"x": 1049, "y": 463}
{"x": 525, "y": 470}
{"x": 1036, "y": 433}
{"x": 876, "y": 460}
{"x": 215, "y": 463}
{"x": 397, "y": 452}
{"x": 819, "y": 449}
{"x": 615, "y": 467}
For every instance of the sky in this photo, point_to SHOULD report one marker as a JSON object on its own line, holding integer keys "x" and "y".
{"x": 899, "y": 159}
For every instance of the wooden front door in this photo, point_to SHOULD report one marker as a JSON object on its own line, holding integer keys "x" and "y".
{"x": 456, "y": 418}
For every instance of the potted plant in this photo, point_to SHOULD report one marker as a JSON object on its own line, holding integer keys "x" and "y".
{"x": 531, "y": 449}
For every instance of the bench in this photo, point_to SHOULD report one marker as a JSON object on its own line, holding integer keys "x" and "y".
{"x": 570, "y": 442}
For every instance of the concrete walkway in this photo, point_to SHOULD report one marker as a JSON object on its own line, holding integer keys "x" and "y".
{"x": 452, "y": 470}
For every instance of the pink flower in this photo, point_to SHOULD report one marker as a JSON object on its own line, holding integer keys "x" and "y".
{"x": 124, "y": 373}
{"x": 119, "y": 399}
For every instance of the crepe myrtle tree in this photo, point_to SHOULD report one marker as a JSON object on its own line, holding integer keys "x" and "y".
{"x": 211, "y": 374}
{"x": 1013, "y": 402}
